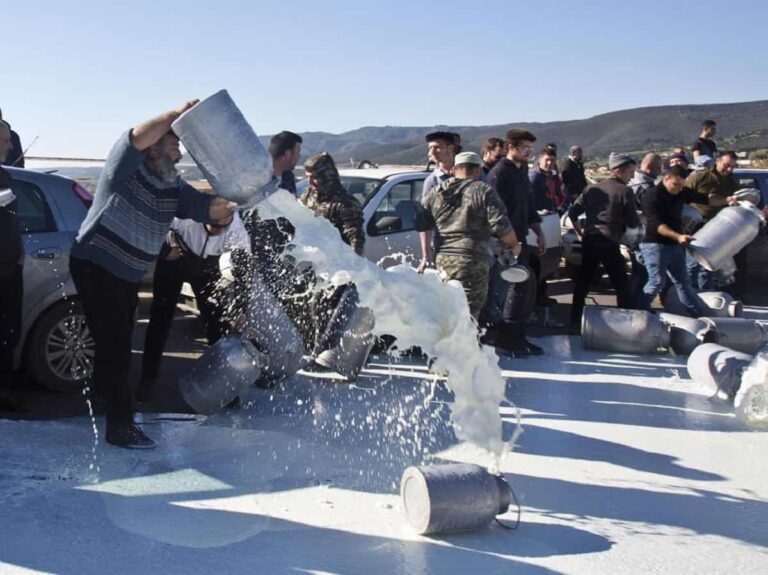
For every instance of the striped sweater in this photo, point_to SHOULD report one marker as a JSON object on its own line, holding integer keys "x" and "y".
{"x": 131, "y": 212}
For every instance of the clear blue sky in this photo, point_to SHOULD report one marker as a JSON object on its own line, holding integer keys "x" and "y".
{"x": 78, "y": 73}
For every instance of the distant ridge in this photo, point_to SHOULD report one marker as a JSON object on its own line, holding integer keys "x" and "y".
{"x": 742, "y": 126}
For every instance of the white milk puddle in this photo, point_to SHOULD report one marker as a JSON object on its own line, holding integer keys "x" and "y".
{"x": 419, "y": 310}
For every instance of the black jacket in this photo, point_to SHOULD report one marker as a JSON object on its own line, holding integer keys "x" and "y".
{"x": 15, "y": 156}
{"x": 10, "y": 232}
{"x": 514, "y": 189}
{"x": 610, "y": 209}
{"x": 574, "y": 180}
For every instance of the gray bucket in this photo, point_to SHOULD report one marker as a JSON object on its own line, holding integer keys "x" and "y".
{"x": 686, "y": 333}
{"x": 719, "y": 367}
{"x": 225, "y": 371}
{"x": 740, "y": 334}
{"x": 225, "y": 148}
{"x": 725, "y": 235}
{"x": 274, "y": 333}
{"x": 351, "y": 353}
{"x": 623, "y": 330}
{"x": 455, "y": 497}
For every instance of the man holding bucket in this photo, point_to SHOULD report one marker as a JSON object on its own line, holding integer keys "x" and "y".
{"x": 138, "y": 195}
{"x": 466, "y": 212}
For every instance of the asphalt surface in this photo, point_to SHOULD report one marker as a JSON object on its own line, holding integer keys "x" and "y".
{"x": 187, "y": 342}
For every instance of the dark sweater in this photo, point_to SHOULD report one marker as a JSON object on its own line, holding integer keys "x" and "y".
{"x": 10, "y": 232}
{"x": 610, "y": 209}
{"x": 514, "y": 189}
{"x": 661, "y": 207}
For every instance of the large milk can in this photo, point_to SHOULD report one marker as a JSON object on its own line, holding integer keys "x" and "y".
{"x": 225, "y": 371}
{"x": 623, "y": 330}
{"x": 740, "y": 334}
{"x": 725, "y": 235}
{"x": 717, "y": 303}
{"x": 225, "y": 148}
{"x": 687, "y": 333}
{"x": 455, "y": 497}
{"x": 349, "y": 356}
{"x": 275, "y": 334}
{"x": 719, "y": 367}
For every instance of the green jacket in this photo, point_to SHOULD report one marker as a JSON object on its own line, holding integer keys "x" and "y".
{"x": 711, "y": 183}
{"x": 342, "y": 210}
{"x": 466, "y": 213}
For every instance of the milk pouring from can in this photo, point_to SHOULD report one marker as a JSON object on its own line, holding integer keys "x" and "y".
{"x": 455, "y": 497}
{"x": 226, "y": 149}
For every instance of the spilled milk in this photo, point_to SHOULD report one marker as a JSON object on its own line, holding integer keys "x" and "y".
{"x": 418, "y": 310}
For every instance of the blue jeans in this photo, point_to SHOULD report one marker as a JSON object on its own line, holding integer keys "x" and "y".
{"x": 699, "y": 278}
{"x": 662, "y": 260}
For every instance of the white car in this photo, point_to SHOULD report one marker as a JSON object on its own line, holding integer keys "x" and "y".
{"x": 391, "y": 195}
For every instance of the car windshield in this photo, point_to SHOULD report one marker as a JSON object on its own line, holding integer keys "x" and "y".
{"x": 362, "y": 189}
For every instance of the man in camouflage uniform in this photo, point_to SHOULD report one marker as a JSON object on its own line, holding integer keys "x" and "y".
{"x": 328, "y": 199}
{"x": 466, "y": 212}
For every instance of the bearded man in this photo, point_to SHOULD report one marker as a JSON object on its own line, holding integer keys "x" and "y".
{"x": 138, "y": 194}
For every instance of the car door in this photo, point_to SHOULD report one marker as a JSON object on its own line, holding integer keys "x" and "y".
{"x": 45, "y": 247}
{"x": 390, "y": 228}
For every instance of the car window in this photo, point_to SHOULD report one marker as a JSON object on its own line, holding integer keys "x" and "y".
{"x": 362, "y": 189}
{"x": 748, "y": 183}
{"x": 32, "y": 208}
{"x": 400, "y": 204}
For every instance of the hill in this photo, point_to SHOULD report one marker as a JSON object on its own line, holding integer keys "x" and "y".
{"x": 742, "y": 126}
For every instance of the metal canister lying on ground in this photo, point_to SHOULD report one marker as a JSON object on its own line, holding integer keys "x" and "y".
{"x": 224, "y": 372}
{"x": 737, "y": 333}
{"x": 455, "y": 497}
{"x": 718, "y": 303}
{"x": 687, "y": 333}
{"x": 623, "y": 330}
{"x": 719, "y": 367}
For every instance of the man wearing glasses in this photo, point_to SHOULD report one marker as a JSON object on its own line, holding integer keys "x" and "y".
{"x": 509, "y": 178}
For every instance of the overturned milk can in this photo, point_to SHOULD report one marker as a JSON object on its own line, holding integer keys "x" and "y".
{"x": 737, "y": 333}
{"x": 225, "y": 148}
{"x": 349, "y": 355}
{"x": 623, "y": 330}
{"x": 455, "y": 497}
{"x": 225, "y": 371}
{"x": 719, "y": 367}
{"x": 718, "y": 303}
{"x": 687, "y": 333}
{"x": 725, "y": 235}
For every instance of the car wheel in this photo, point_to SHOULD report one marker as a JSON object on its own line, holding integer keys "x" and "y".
{"x": 61, "y": 348}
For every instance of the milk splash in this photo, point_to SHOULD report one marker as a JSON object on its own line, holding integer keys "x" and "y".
{"x": 419, "y": 310}
{"x": 751, "y": 401}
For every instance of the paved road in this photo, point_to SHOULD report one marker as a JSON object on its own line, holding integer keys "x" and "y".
{"x": 187, "y": 342}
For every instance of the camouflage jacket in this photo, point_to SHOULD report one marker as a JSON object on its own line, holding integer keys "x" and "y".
{"x": 343, "y": 211}
{"x": 466, "y": 213}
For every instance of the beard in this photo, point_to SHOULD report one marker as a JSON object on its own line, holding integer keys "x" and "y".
{"x": 165, "y": 169}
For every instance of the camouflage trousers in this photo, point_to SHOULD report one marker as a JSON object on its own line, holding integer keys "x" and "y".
{"x": 472, "y": 273}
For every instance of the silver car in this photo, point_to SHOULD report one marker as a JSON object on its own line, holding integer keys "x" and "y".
{"x": 390, "y": 196}
{"x": 56, "y": 348}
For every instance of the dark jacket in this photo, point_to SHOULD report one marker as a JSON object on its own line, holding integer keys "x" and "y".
{"x": 574, "y": 180}
{"x": 547, "y": 191}
{"x": 11, "y": 249}
{"x": 661, "y": 207}
{"x": 514, "y": 189}
{"x": 609, "y": 207}
{"x": 15, "y": 156}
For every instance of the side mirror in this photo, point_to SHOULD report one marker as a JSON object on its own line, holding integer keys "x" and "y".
{"x": 385, "y": 224}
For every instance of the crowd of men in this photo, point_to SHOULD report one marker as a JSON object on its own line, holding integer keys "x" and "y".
{"x": 475, "y": 215}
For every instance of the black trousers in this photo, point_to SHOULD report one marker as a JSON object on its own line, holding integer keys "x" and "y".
{"x": 110, "y": 309}
{"x": 11, "y": 295}
{"x": 595, "y": 250}
{"x": 166, "y": 288}
{"x": 521, "y": 299}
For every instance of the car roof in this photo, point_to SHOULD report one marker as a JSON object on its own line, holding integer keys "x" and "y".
{"x": 36, "y": 176}
{"x": 381, "y": 172}
{"x": 762, "y": 171}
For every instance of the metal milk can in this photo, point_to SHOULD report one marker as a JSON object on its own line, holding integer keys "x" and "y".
{"x": 726, "y": 234}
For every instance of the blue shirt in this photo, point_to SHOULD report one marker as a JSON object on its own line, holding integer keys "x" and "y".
{"x": 131, "y": 212}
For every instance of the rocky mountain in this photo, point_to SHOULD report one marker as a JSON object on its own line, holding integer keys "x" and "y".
{"x": 742, "y": 126}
